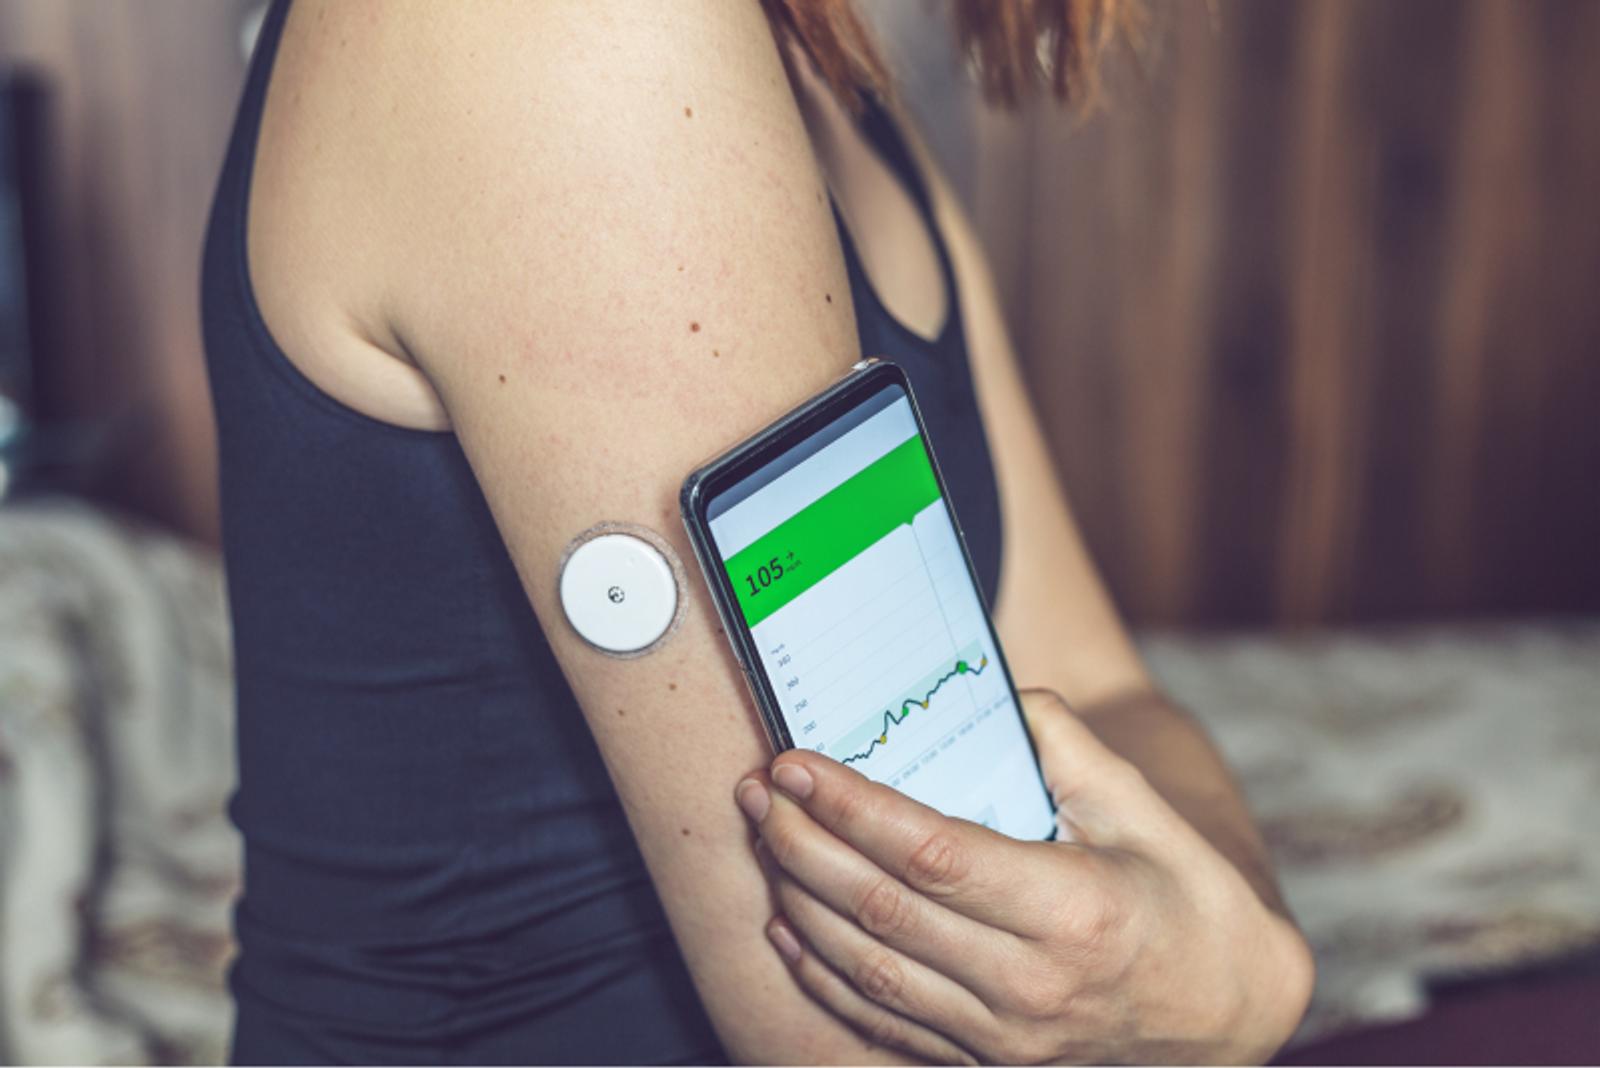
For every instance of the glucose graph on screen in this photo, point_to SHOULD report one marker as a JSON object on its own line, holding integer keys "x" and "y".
{"x": 871, "y": 633}
{"x": 890, "y": 719}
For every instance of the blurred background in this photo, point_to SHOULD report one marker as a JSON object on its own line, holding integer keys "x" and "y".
{"x": 1310, "y": 307}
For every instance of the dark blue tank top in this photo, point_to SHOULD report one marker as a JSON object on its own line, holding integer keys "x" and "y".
{"x": 437, "y": 867}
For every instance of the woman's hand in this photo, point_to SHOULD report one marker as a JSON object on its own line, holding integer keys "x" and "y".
{"x": 1129, "y": 939}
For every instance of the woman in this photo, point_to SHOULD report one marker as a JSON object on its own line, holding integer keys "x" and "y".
{"x": 480, "y": 276}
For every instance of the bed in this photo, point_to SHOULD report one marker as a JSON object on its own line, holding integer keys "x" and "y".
{"x": 1428, "y": 792}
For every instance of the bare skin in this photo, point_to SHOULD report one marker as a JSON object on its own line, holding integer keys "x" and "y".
{"x": 534, "y": 224}
{"x": 1131, "y": 940}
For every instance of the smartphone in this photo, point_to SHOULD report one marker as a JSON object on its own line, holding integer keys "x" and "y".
{"x": 840, "y": 574}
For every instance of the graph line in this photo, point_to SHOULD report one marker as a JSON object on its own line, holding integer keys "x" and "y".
{"x": 891, "y": 720}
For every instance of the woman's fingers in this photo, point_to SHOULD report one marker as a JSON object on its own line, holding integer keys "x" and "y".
{"x": 980, "y": 874}
{"x": 885, "y": 908}
{"x": 882, "y": 974}
{"x": 872, "y": 1021}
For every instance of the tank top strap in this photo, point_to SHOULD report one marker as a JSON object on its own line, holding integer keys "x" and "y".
{"x": 877, "y": 124}
{"x": 253, "y": 99}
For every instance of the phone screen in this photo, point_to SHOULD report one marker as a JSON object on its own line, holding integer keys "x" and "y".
{"x": 870, "y": 630}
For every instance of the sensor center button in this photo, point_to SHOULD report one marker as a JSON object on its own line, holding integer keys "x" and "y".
{"x": 619, "y": 593}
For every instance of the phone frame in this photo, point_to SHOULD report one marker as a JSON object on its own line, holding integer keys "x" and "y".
{"x": 715, "y": 476}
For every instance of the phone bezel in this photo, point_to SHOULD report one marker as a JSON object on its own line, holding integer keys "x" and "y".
{"x": 788, "y": 431}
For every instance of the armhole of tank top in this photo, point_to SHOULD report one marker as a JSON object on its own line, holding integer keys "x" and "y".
{"x": 877, "y": 125}
{"x": 258, "y": 86}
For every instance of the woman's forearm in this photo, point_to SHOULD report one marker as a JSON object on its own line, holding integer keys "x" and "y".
{"x": 1180, "y": 762}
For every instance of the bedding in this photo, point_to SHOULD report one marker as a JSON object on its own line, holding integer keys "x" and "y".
{"x": 1428, "y": 792}
{"x": 1429, "y": 795}
{"x": 117, "y": 863}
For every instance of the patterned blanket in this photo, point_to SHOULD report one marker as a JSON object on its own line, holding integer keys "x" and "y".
{"x": 117, "y": 863}
{"x": 1429, "y": 794}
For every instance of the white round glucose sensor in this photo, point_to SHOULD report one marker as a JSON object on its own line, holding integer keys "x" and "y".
{"x": 619, "y": 591}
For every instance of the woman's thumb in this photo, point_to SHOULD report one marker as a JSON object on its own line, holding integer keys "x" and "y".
{"x": 1088, "y": 781}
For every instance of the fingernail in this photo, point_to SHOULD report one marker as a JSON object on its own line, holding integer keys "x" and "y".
{"x": 752, "y": 797}
{"x": 795, "y": 780}
{"x": 784, "y": 941}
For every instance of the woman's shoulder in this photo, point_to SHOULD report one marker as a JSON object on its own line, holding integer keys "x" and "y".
{"x": 415, "y": 159}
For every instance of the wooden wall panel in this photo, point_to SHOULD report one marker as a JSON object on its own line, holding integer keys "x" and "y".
{"x": 1310, "y": 309}
{"x": 141, "y": 95}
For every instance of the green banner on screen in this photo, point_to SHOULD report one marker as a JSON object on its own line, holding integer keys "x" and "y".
{"x": 820, "y": 538}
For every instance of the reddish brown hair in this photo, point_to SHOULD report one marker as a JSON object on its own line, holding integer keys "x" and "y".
{"x": 1013, "y": 46}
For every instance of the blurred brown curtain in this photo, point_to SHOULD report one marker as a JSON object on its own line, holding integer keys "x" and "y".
{"x": 1311, "y": 310}
{"x": 139, "y": 94}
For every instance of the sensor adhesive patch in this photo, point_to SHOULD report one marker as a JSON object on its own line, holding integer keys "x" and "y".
{"x": 622, "y": 588}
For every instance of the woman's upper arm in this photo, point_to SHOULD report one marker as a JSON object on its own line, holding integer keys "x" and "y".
{"x": 611, "y": 252}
